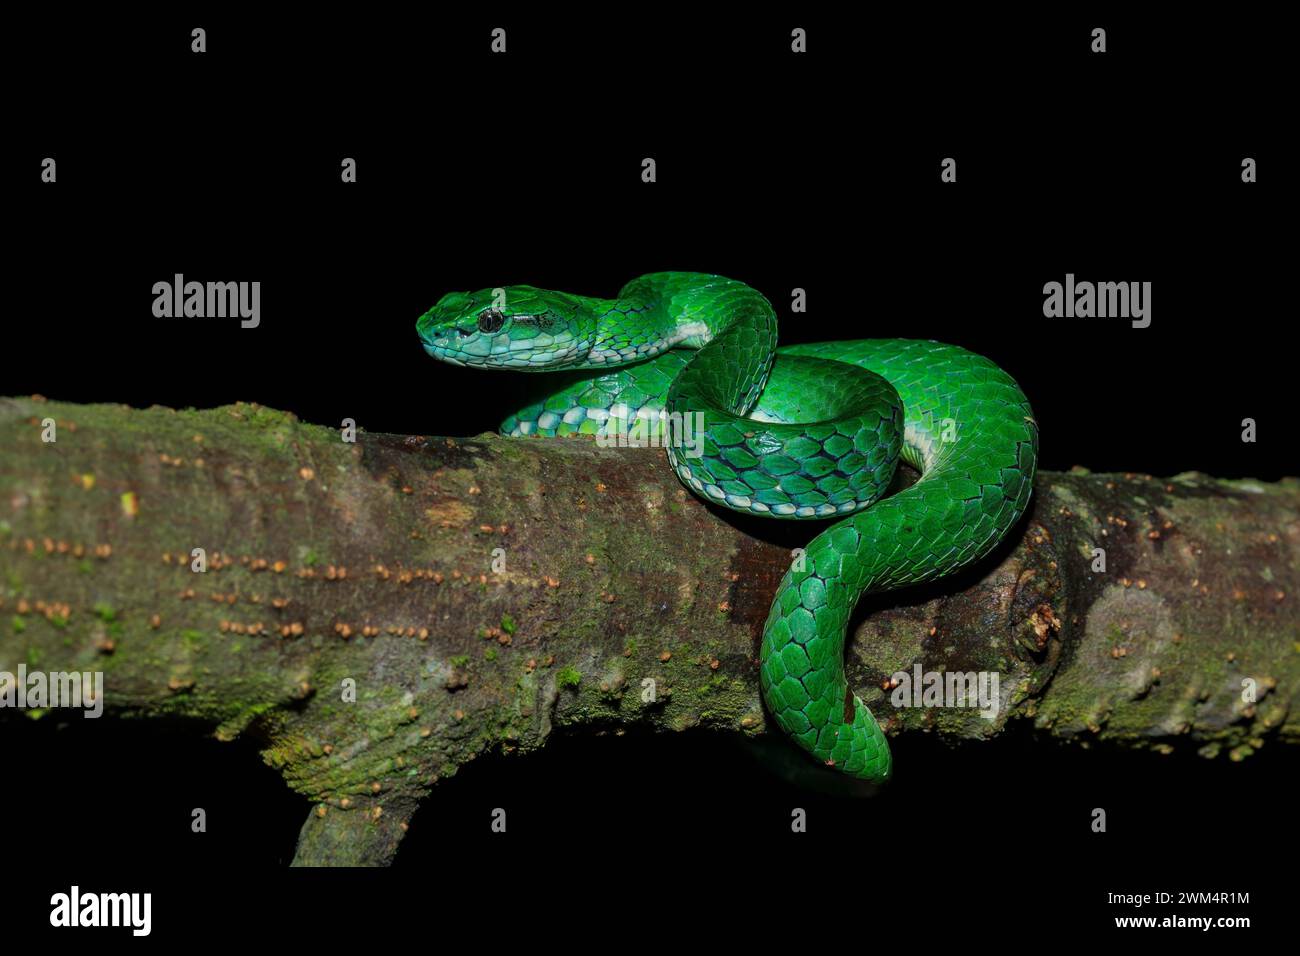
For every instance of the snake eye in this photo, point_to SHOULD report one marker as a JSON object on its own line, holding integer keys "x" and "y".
{"x": 490, "y": 321}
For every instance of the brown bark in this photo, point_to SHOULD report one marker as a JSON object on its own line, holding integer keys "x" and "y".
{"x": 378, "y": 562}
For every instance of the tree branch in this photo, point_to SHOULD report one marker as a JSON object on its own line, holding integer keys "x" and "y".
{"x": 483, "y": 593}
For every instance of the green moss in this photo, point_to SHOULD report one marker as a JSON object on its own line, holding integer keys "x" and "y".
{"x": 192, "y": 637}
{"x": 460, "y": 660}
{"x": 490, "y": 654}
{"x": 105, "y": 612}
{"x": 270, "y": 419}
{"x": 568, "y": 677}
{"x": 33, "y": 657}
{"x": 311, "y": 558}
{"x": 507, "y": 623}
{"x": 19, "y": 625}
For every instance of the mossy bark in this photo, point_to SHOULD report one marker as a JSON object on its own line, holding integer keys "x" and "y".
{"x": 483, "y": 593}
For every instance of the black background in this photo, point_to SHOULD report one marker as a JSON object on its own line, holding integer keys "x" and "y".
{"x": 818, "y": 171}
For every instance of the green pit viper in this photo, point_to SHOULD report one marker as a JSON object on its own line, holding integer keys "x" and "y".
{"x": 798, "y": 432}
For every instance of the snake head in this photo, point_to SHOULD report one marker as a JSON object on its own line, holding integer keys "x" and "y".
{"x": 517, "y": 327}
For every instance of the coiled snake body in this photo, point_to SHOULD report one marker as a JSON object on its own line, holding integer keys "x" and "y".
{"x": 799, "y": 432}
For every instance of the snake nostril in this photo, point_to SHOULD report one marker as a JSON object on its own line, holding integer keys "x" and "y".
{"x": 464, "y": 333}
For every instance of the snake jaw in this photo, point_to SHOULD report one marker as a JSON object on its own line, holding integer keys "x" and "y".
{"x": 502, "y": 350}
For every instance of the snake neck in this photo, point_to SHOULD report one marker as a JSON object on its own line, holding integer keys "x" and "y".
{"x": 666, "y": 310}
